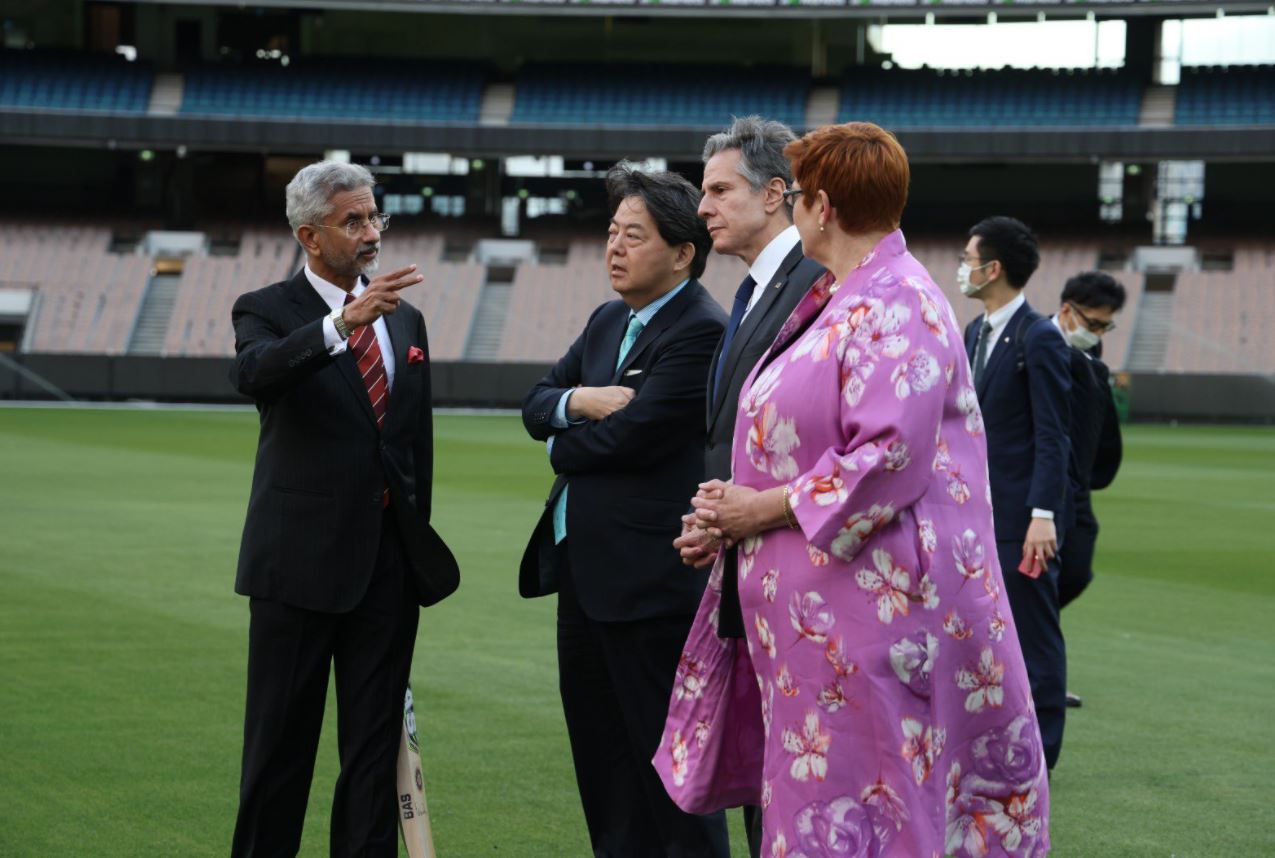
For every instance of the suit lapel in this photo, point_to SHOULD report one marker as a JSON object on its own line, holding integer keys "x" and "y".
{"x": 309, "y": 306}
{"x": 667, "y": 315}
{"x": 400, "y": 339}
{"x": 750, "y": 324}
{"x": 1004, "y": 346}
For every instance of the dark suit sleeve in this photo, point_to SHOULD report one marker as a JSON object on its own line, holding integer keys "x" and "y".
{"x": 1048, "y": 360}
{"x": 423, "y": 442}
{"x": 666, "y": 410}
{"x": 267, "y": 362}
{"x": 1110, "y": 444}
{"x": 539, "y": 403}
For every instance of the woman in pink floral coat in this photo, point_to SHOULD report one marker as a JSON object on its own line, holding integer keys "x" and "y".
{"x": 894, "y": 705}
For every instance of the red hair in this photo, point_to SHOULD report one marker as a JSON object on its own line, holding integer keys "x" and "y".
{"x": 861, "y": 167}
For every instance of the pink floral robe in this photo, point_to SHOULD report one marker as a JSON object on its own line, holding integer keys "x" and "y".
{"x": 894, "y": 703}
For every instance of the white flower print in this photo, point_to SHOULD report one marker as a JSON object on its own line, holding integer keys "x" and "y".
{"x": 688, "y": 682}
{"x": 785, "y": 683}
{"x": 897, "y": 455}
{"x": 889, "y": 583}
{"x": 765, "y": 636}
{"x": 702, "y": 731}
{"x": 767, "y": 794}
{"x": 942, "y": 456}
{"x": 956, "y": 627}
{"x": 957, "y": 487}
{"x": 854, "y": 371}
{"x": 779, "y": 846}
{"x": 927, "y": 593}
{"x": 767, "y": 707}
{"x": 983, "y": 682}
{"x": 835, "y": 652}
{"x": 678, "y": 753}
{"x": 929, "y": 539}
{"x": 763, "y": 386}
{"x": 930, "y": 312}
{"x": 921, "y": 747}
{"x": 967, "y": 404}
{"x": 968, "y": 553}
{"x": 748, "y": 548}
{"x": 860, "y": 527}
{"x": 876, "y": 328}
{"x": 771, "y": 440}
{"x": 770, "y": 585}
{"x": 966, "y": 828}
{"x": 810, "y": 616}
{"x": 822, "y": 341}
{"x": 809, "y": 748}
{"x": 1015, "y": 819}
{"x": 996, "y": 627}
{"x": 917, "y": 375}
{"x": 832, "y": 697}
{"x": 826, "y": 490}
{"x": 817, "y": 557}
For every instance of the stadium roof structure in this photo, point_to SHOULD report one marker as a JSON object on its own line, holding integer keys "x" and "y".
{"x": 877, "y": 9}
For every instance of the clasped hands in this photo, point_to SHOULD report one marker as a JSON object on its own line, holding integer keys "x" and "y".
{"x": 724, "y": 513}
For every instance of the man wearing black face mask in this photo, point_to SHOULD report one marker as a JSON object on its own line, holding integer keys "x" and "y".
{"x": 1089, "y": 304}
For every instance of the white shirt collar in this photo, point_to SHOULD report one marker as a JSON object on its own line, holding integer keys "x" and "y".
{"x": 767, "y": 262}
{"x": 332, "y": 294}
{"x": 1001, "y": 317}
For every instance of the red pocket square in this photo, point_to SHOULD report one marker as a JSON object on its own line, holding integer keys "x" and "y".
{"x": 415, "y": 355}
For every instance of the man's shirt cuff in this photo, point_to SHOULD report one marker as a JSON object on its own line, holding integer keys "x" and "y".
{"x": 1043, "y": 513}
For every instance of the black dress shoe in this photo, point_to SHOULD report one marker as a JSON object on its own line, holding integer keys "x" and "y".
{"x": 1074, "y": 702}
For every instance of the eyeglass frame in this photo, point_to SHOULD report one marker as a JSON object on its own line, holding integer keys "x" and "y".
{"x": 352, "y": 229}
{"x": 791, "y": 194}
{"x": 1103, "y": 327}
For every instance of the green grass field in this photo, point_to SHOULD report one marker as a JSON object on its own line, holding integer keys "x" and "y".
{"x": 122, "y": 647}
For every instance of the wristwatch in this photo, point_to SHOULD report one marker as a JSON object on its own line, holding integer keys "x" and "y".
{"x": 338, "y": 322}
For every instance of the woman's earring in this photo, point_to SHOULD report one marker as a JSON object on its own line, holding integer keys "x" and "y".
{"x": 821, "y": 227}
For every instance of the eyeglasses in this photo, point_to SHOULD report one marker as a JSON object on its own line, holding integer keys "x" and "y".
{"x": 354, "y": 226}
{"x": 791, "y": 194}
{"x": 971, "y": 260}
{"x": 1097, "y": 326}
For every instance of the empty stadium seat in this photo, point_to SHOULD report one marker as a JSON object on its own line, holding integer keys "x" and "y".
{"x": 403, "y": 90}
{"x": 65, "y": 80}
{"x": 657, "y": 95}
{"x": 925, "y": 98}
{"x": 1236, "y": 95}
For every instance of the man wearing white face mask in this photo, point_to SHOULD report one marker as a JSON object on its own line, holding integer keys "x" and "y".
{"x": 1022, "y": 378}
{"x": 1089, "y": 304}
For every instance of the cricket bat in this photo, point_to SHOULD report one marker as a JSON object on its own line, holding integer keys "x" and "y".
{"x": 413, "y": 815}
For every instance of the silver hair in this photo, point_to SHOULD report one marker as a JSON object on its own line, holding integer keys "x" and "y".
{"x": 761, "y": 145}
{"x": 310, "y": 192}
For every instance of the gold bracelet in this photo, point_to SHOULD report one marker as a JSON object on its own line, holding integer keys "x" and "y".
{"x": 788, "y": 513}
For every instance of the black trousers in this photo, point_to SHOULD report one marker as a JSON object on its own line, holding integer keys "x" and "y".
{"x": 615, "y": 680}
{"x": 1077, "y": 559}
{"x": 1034, "y": 603}
{"x": 290, "y": 653}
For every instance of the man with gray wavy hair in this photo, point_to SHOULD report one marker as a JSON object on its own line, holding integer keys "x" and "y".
{"x": 337, "y": 554}
{"x": 748, "y": 209}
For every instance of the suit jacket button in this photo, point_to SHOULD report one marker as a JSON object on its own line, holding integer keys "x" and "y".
{"x": 411, "y": 499}
{"x": 376, "y": 498}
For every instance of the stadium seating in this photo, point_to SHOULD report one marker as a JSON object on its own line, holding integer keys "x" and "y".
{"x": 924, "y": 98}
{"x": 87, "y": 298}
{"x": 657, "y": 95}
{"x": 1222, "y": 322}
{"x": 1238, "y": 95}
{"x": 58, "y": 80}
{"x": 393, "y": 90}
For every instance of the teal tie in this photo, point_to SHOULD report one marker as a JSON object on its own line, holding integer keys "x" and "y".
{"x": 560, "y": 507}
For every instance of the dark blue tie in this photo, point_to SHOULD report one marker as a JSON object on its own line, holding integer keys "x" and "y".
{"x": 742, "y": 296}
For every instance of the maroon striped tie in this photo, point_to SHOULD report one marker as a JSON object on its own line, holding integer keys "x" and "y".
{"x": 367, "y": 351}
